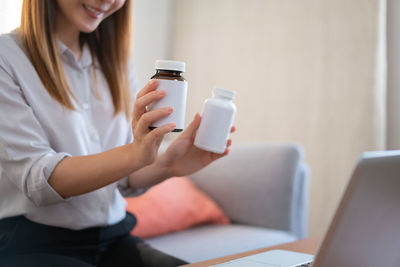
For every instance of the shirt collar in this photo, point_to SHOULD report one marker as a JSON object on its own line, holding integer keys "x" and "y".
{"x": 68, "y": 56}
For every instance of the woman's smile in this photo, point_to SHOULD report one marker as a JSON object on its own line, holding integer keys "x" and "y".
{"x": 92, "y": 11}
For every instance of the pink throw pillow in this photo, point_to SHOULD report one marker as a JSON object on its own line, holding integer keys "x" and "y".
{"x": 173, "y": 205}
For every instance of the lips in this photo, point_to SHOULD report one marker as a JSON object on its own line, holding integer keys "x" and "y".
{"x": 93, "y": 12}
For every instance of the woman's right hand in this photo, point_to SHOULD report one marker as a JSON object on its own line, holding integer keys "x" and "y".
{"x": 147, "y": 142}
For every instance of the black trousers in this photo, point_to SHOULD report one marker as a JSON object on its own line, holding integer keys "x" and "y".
{"x": 25, "y": 243}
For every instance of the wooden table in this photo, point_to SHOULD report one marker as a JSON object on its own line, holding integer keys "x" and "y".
{"x": 309, "y": 245}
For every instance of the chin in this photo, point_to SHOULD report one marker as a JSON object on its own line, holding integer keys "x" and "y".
{"x": 88, "y": 29}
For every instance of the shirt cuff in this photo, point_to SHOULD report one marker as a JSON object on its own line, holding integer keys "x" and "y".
{"x": 128, "y": 191}
{"x": 41, "y": 192}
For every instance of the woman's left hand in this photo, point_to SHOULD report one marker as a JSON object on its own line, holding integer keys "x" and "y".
{"x": 183, "y": 158}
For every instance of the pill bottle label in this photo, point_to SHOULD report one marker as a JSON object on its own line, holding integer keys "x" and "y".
{"x": 176, "y": 92}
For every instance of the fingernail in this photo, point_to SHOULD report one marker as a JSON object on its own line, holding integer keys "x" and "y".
{"x": 162, "y": 92}
{"x": 170, "y": 109}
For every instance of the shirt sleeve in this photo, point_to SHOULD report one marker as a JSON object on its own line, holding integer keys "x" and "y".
{"x": 26, "y": 157}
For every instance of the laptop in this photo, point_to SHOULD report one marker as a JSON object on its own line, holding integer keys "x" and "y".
{"x": 365, "y": 230}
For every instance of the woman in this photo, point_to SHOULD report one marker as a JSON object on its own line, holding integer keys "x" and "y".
{"x": 66, "y": 139}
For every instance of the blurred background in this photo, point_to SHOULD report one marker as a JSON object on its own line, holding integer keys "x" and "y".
{"x": 320, "y": 73}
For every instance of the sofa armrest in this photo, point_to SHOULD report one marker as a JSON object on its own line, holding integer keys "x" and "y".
{"x": 263, "y": 185}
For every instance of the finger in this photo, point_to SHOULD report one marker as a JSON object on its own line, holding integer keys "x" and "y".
{"x": 229, "y": 143}
{"x": 193, "y": 126}
{"x": 216, "y": 156}
{"x": 233, "y": 129}
{"x": 226, "y": 152}
{"x": 150, "y": 86}
{"x": 141, "y": 103}
{"x": 158, "y": 133}
{"x": 150, "y": 117}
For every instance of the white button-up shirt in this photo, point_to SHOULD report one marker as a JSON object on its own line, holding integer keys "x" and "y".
{"x": 36, "y": 133}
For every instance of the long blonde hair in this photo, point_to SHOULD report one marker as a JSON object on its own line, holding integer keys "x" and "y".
{"x": 110, "y": 43}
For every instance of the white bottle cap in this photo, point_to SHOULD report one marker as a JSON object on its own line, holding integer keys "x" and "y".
{"x": 224, "y": 92}
{"x": 170, "y": 65}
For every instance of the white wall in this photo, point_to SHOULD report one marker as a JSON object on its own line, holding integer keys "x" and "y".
{"x": 151, "y": 36}
{"x": 305, "y": 71}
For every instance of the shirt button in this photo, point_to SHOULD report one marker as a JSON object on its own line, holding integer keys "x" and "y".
{"x": 85, "y": 106}
{"x": 79, "y": 75}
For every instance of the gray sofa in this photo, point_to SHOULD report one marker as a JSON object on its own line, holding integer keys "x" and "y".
{"x": 263, "y": 188}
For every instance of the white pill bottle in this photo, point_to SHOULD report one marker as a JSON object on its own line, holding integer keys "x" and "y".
{"x": 216, "y": 121}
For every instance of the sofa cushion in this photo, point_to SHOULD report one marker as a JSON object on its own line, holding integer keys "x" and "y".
{"x": 211, "y": 241}
{"x": 173, "y": 205}
{"x": 260, "y": 185}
